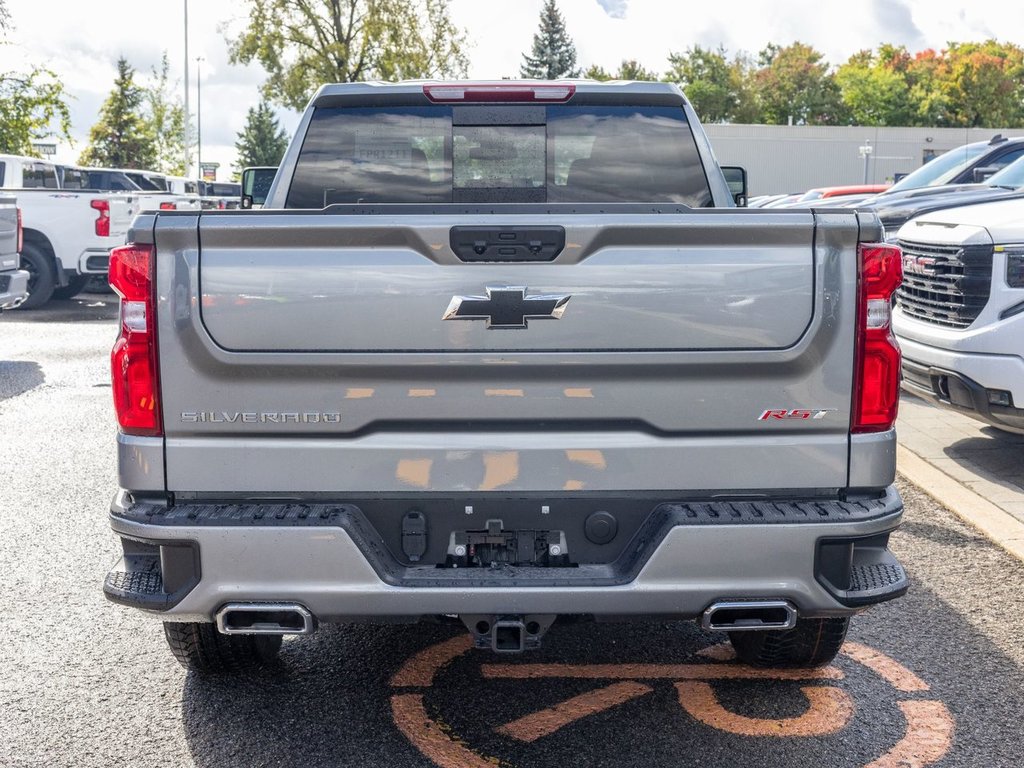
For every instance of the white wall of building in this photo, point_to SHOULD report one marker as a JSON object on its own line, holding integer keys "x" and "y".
{"x": 784, "y": 159}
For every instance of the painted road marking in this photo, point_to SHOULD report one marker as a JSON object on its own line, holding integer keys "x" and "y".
{"x": 927, "y": 738}
{"x": 547, "y": 721}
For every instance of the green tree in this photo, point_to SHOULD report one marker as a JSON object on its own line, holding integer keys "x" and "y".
{"x": 597, "y": 72}
{"x": 303, "y": 44}
{"x": 262, "y": 141}
{"x": 874, "y": 91}
{"x": 32, "y": 106}
{"x": 122, "y": 137}
{"x": 553, "y": 55}
{"x": 631, "y": 69}
{"x": 794, "y": 82}
{"x": 709, "y": 81}
{"x": 165, "y": 114}
{"x": 983, "y": 84}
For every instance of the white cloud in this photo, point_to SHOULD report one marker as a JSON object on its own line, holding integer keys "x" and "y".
{"x": 81, "y": 41}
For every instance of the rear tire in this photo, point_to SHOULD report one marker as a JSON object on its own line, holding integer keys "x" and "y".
{"x": 73, "y": 288}
{"x": 811, "y": 643}
{"x": 41, "y": 280}
{"x": 201, "y": 648}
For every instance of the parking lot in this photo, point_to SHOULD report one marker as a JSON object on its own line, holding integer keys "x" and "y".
{"x": 936, "y": 678}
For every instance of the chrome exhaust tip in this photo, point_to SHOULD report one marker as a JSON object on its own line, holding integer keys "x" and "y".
{"x": 745, "y": 615}
{"x": 264, "y": 619}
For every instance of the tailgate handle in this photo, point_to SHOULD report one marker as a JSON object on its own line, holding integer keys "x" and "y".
{"x": 507, "y": 244}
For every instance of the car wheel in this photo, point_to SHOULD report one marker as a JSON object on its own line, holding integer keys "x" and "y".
{"x": 811, "y": 643}
{"x": 200, "y": 647}
{"x": 41, "y": 279}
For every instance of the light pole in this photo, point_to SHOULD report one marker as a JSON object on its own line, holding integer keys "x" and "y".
{"x": 199, "y": 115}
{"x": 188, "y": 114}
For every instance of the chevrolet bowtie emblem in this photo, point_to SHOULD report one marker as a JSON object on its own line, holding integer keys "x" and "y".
{"x": 506, "y": 307}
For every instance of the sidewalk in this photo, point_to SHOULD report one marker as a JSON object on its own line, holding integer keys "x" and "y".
{"x": 973, "y": 470}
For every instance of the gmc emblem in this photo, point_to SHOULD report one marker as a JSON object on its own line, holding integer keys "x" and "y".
{"x": 918, "y": 265}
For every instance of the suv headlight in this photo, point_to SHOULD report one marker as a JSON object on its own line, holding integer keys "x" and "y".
{"x": 1014, "y": 264}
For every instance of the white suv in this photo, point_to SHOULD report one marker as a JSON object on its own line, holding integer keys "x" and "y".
{"x": 960, "y": 310}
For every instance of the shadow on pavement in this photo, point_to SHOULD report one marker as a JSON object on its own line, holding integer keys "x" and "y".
{"x": 999, "y": 456}
{"x": 18, "y": 377}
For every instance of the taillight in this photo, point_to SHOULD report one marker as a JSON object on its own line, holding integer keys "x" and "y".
{"x": 21, "y": 233}
{"x": 877, "y": 368}
{"x": 133, "y": 360}
{"x": 168, "y": 207}
{"x": 500, "y": 92}
{"x": 102, "y": 223}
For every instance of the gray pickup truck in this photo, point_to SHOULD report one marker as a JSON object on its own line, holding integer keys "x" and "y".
{"x": 501, "y": 353}
{"x": 13, "y": 281}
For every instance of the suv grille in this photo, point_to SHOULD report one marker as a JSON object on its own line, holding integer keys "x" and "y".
{"x": 945, "y": 284}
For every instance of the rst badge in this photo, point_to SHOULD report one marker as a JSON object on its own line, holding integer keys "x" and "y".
{"x": 798, "y": 414}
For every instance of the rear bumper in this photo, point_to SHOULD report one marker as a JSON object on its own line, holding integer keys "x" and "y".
{"x": 953, "y": 389}
{"x": 183, "y": 563}
{"x": 13, "y": 288}
{"x": 94, "y": 261}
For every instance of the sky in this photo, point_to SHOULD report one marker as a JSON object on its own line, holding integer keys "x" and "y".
{"x": 81, "y": 42}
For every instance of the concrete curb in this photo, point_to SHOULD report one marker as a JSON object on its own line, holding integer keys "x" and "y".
{"x": 998, "y": 525}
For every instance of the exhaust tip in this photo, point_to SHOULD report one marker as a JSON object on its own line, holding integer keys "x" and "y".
{"x": 264, "y": 619}
{"x": 742, "y": 615}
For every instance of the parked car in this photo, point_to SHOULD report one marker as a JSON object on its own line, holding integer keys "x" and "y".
{"x": 220, "y": 195}
{"x": 151, "y": 189}
{"x": 960, "y": 311}
{"x": 969, "y": 164}
{"x": 179, "y": 185}
{"x": 824, "y": 193}
{"x": 13, "y": 281}
{"x": 895, "y": 212}
{"x": 476, "y": 383}
{"x": 68, "y": 233}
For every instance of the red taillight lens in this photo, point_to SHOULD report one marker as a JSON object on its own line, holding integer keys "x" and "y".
{"x": 21, "y": 233}
{"x": 877, "y": 370}
{"x": 168, "y": 207}
{"x": 103, "y": 220}
{"x": 500, "y": 92}
{"x": 133, "y": 360}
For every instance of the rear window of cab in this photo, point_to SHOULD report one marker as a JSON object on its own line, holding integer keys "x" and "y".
{"x": 467, "y": 154}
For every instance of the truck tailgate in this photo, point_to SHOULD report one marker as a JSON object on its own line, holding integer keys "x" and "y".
{"x": 692, "y": 283}
{"x": 308, "y": 353}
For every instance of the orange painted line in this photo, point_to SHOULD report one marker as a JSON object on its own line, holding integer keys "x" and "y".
{"x": 547, "y": 721}
{"x": 593, "y": 459}
{"x": 927, "y": 740}
{"x": 573, "y": 485}
{"x": 420, "y": 668}
{"x": 578, "y": 392}
{"x": 500, "y": 468}
{"x": 355, "y": 393}
{"x": 503, "y": 392}
{"x": 830, "y": 712}
{"x": 414, "y": 472}
{"x": 422, "y": 392}
{"x": 894, "y": 673}
{"x": 654, "y": 672}
{"x": 412, "y": 720}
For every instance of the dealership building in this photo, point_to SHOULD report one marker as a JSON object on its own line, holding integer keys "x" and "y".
{"x": 794, "y": 158}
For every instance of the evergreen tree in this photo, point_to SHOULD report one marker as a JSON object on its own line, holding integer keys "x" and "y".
{"x": 554, "y": 54}
{"x": 122, "y": 137}
{"x": 165, "y": 115}
{"x": 262, "y": 141}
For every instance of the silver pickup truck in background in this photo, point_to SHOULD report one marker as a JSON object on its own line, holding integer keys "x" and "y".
{"x": 13, "y": 281}
{"x": 504, "y": 352}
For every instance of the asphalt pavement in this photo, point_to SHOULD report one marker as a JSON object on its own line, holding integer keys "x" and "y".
{"x": 936, "y": 678}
